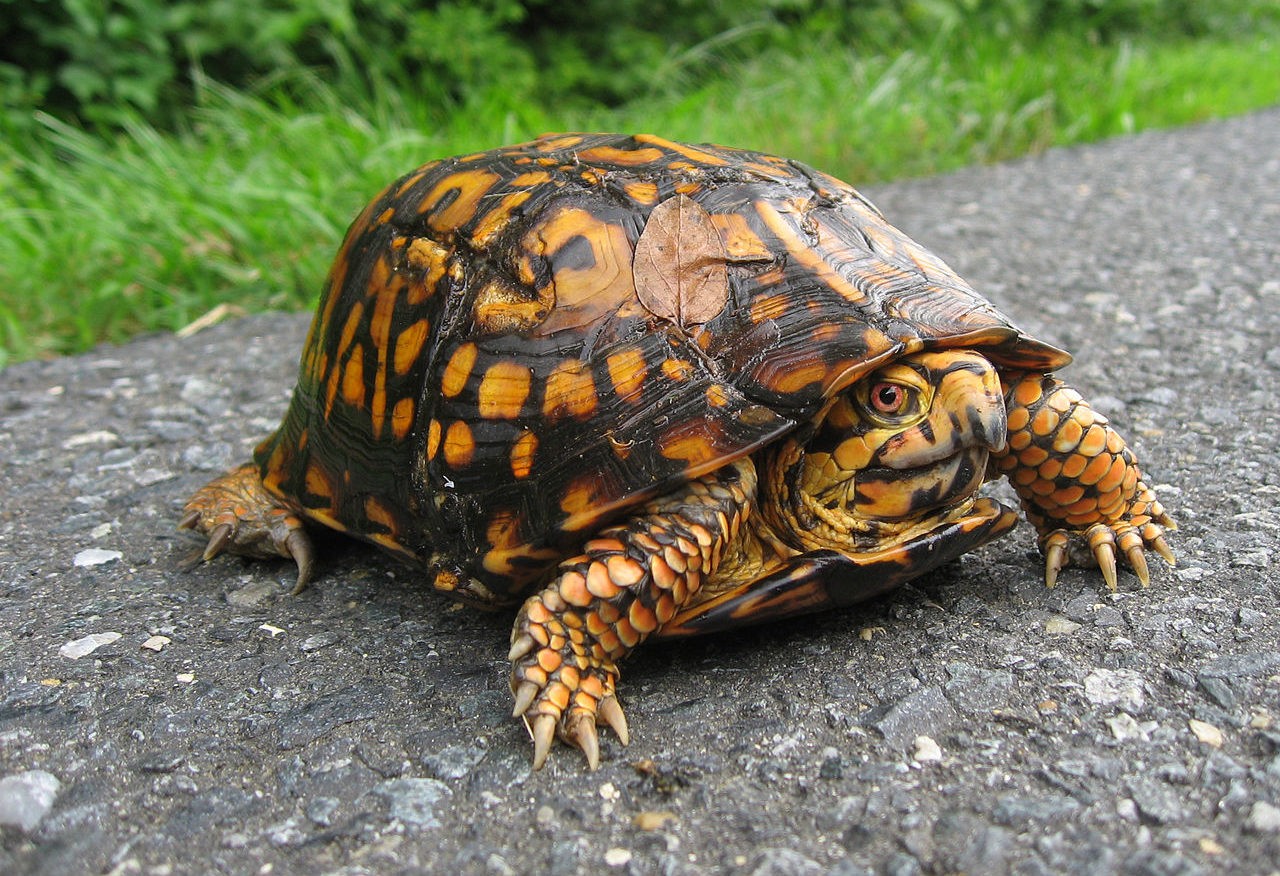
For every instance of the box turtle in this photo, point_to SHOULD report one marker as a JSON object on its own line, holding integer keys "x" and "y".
{"x": 665, "y": 389}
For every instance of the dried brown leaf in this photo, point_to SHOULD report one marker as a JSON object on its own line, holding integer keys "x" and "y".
{"x": 679, "y": 267}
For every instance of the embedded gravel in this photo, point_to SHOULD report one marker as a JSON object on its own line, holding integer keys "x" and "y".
{"x": 155, "y": 719}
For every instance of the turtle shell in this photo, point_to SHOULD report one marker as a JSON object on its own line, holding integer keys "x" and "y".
{"x": 515, "y": 346}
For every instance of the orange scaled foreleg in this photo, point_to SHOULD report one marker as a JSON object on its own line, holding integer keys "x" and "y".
{"x": 628, "y": 582}
{"x": 1076, "y": 476}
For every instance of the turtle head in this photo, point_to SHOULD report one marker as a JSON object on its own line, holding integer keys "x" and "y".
{"x": 897, "y": 453}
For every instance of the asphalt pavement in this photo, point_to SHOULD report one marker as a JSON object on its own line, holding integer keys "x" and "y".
{"x": 157, "y": 719}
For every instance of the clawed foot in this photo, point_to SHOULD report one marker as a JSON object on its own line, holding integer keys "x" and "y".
{"x": 562, "y": 685}
{"x": 238, "y": 515}
{"x": 1104, "y": 540}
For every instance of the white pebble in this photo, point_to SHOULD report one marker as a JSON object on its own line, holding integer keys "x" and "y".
{"x": 1206, "y": 733}
{"x": 1263, "y": 818}
{"x": 95, "y": 557}
{"x": 26, "y": 798}
{"x": 926, "y": 750}
{"x": 86, "y": 645}
{"x": 156, "y": 643}
{"x": 617, "y": 857}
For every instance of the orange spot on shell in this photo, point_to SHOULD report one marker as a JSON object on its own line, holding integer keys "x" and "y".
{"x": 429, "y": 260}
{"x": 433, "y": 438}
{"x": 409, "y": 346}
{"x": 458, "y": 370}
{"x": 622, "y": 157}
{"x": 402, "y": 416}
{"x": 676, "y": 369}
{"x": 522, "y": 453}
{"x": 503, "y": 390}
{"x": 459, "y": 445}
{"x": 570, "y": 391}
{"x": 470, "y": 186}
{"x": 642, "y": 191}
{"x": 793, "y": 380}
{"x": 690, "y": 449}
{"x": 627, "y": 370}
{"x": 497, "y": 219}
{"x": 380, "y": 514}
{"x": 317, "y": 482}
{"x": 353, "y": 385}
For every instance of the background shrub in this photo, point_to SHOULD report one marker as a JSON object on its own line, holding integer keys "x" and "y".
{"x": 103, "y": 61}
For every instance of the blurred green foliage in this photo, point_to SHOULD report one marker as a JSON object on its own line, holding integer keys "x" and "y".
{"x": 105, "y": 61}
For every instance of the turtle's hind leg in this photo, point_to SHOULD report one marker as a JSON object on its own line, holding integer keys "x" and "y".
{"x": 240, "y": 516}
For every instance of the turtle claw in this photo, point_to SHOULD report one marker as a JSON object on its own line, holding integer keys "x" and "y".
{"x": 615, "y": 718}
{"x": 1055, "y": 557}
{"x": 519, "y": 648}
{"x": 1105, "y": 541}
{"x": 543, "y": 730}
{"x": 219, "y": 537}
{"x": 582, "y": 733}
{"x": 525, "y": 695}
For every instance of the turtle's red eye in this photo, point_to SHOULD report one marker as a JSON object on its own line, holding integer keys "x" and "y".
{"x": 888, "y": 398}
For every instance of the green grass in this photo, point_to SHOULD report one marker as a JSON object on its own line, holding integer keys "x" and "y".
{"x": 108, "y": 236}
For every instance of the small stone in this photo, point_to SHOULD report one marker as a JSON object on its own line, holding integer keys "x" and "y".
{"x": 1263, "y": 818}
{"x": 785, "y": 862}
{"x": 270, "y": 630}
{"x": 1218, "y": 690}
{"x": 977, "y": 690}
{"x": 185, "y": 678}
{"x": 1260, "y": 719}
{"x": 156, "y": 643}
{"x": 453, "y": 761}
{"x": 85, "y": 439}
{"x": 617, "y": 857}
{"x": 926, "y": 750}
{"x": 651, "y": 820}
{"x": 1124, "y": 727}
{"x": 414, "y": 801}
{"x": 321, "y": 810}
{"x": 1211, "y": 846}
{"x": 319, "y": 640}
{"x": 1060, "y": 626}
{"x": 919, "y": 713}
{"x": 1206, "y": 733}
{"x": 1115, "y": 687}
{"x": 100, "y": 531}
{"x": 26, "y": 798}
{"x": 609, "y": 791}
{"x": 86, "y": 645}
{"x": 1157, "y": 800}
{"x": 253, "y": 594}
{"x": 544, "y": 816}
{"x": 95, "y": 557}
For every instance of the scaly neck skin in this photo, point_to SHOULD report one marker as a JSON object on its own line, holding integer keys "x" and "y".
{"x": 799, "y": 520}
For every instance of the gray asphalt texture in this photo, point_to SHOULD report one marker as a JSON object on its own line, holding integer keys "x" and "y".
{"x": 363, "y": 726}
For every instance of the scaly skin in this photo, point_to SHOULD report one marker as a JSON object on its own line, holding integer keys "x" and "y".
{"x": 629, "y": 581}
{"x": 1077, "y": 477}
{"x": 239, "y": 515}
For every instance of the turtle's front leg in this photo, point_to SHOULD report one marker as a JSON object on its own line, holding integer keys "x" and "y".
{"x": 629, "y": 580}
{"x": 1077, "y": 477}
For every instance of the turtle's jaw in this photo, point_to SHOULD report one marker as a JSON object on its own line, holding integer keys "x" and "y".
{"x": 889, "y": 495}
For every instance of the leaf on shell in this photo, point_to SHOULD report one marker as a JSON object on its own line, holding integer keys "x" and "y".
{"x": 679, "y": 268}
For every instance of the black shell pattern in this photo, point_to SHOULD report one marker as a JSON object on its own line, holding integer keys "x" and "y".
{"x": 482, "y": 388}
